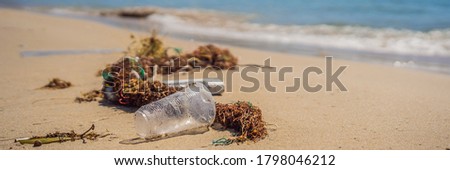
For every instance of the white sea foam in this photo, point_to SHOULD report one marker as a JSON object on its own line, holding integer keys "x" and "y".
{"x": 239, "y": 27}
{"x": 385, "y": 40}
{"x": 428, "y": 50}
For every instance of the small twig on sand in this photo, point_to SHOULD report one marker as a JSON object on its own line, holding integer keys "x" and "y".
{"x": 82, "y": 135}
{"x": 59, "y": 137}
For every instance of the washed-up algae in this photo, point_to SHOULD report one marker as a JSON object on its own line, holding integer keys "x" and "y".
{"x": 129, "y": 82}
{"x": 151, "y": 52}
{"x": 57, "y": 83}
{"x": 90, "y": 96}
{"x": 62, "y": 137}
{"x": 243, "y": 117}
{"x": 139, "y": 92}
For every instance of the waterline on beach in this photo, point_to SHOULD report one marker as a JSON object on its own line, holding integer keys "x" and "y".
{"x": 428, "y": 50}
{"x": 42, "y": 53}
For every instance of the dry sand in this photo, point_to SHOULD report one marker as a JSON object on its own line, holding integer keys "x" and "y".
{"x": 385, "y": 107}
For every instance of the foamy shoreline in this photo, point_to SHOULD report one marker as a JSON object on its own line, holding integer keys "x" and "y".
{"x": 428, "y": 51}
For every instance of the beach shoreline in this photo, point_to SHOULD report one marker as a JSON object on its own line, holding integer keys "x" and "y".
{"x": 424, "y": 50}
{"x": 384, "y": 108}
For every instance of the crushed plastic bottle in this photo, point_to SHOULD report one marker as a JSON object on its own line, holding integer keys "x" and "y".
{"x": 215, "y": 86}
{"x": 177, "y": 113}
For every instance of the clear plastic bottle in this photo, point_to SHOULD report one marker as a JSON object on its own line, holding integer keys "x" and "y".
{"x": 176, "y": 113}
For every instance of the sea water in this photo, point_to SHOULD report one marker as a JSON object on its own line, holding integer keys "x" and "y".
{"x": 403, "y": 33}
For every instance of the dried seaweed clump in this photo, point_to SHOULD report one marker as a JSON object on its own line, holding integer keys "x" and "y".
{"x": 93, "y": 95}
{"x": 126, "y": 84}
{"x": 146, "y": 47}
{"x": 210, "y": 55}
{"x": 152, "y": 52}
{"x": 57, "y": 83}
{"x": 137, "y": 13}
{"x": 243, "y": 117}
{"x": 128, "y": 81}
{"x": 140, "y": 92}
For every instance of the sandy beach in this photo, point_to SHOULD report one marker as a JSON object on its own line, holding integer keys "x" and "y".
{"x": 384, "y": 108}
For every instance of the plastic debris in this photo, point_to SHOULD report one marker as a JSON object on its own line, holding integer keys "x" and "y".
{"x": 215, "y": 86}
{"x": 178, "y": 112}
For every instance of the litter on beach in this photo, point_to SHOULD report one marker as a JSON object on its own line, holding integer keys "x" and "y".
{"x": 215, "y": 86}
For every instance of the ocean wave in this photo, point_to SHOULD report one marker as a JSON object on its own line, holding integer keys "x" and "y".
{"x": 385, "y": 40}
{"x": 238, "y": 27}
{"x": 426, "y": 50}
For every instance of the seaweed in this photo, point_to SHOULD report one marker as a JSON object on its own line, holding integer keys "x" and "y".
{"x": 210, "y": 55}
{"x": 146, "y": 47}
{"x": 136, "y": 13}
{"x": 147, "y": 92}
{"x": 129, "y": 82}
{"x": 243, "y": 117}
{"x": 90, "y": 96}
{"x": 57, "y": 83}
{"x": 152, "y": 52}
{"x": 61, "y": 137}
{"x": 126, "y": 84}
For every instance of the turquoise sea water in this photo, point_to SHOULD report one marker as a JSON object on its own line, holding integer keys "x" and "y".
{"x": 423, "y": 15}
{"x": 404, "y": 33}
